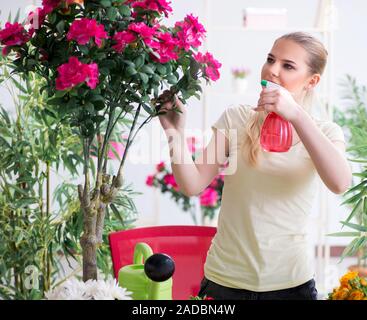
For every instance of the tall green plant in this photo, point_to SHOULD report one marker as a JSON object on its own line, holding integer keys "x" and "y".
{"x": 354, "y": 119}
{"x": 33, "y": 145}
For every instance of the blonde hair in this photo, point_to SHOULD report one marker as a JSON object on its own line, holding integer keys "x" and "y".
{"x": 317, "y": 57}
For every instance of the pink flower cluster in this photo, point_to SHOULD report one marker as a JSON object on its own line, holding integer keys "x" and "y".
{"x": 13, "y": 35}
{"x": 122, "y": 39}
{"x": 160, "y": 6}
{"x": 85, "y": 29}
{"x": 50, "y": 5}
{"x": 75, "y": 72}
{"x": 211, "y": 65}
{"x": 190, "y": 33}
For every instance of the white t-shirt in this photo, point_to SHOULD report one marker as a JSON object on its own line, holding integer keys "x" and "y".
{"x": 261, "y": 241}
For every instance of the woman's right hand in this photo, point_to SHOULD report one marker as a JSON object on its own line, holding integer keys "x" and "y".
{"x": 172, "y": 120}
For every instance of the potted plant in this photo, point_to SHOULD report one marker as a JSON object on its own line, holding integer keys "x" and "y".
{"x": 239, "y": 79}
{"x": 104, "y": 61}
{"x": 354, "y": 118}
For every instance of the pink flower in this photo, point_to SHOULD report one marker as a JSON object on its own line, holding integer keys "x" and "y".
{"x": 161, "y": 6}
{"x": 50, "y": 5}
{"x": 169, "y": 180}
{"x": 13, "y": 35}
{"x": 122, "y": 39}
{"x": 191, "y": 143}
{"x": 75, "y": 72}
{"x": 143, "y": 30}
{"x": 36, "y": 19}
{"x": 84, "y": 29}
{"x": 150, "y": 180}
{"x": 209, "y": 198}
{"x": 190, "y": 33}
{"x": 115, "y": 148}
{"x": 160, "y": 166}
{"x": 211, "y": 65}
{"x": 165, "y": 48}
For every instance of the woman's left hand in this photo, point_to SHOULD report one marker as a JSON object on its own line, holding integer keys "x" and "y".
{"x": 279, "y": 101}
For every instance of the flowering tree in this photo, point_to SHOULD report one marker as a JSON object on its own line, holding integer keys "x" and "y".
{"x": 104, "y": 61}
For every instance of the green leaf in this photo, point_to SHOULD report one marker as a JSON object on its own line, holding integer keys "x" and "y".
{"x": 354, "y": 226}
{"x": 171, "y": 79}
{"x": 117, "y": 213}
{"x": 344, "y": 234}
{"x": 125, "y": 11}
{"x": 139, "y": 62}
{"x": 131, "y": 71}
{"x": 105, "y": 3}
{"x": 355, "y": 210}
{"x": 147, "y": 69}
{"x": 112, "y": 13}
{"x": 161, "y": 69}
{"x": 147, "y": 109}
{"x": 144, "y": 77}
{"x": 84, "y": 49}
{"x": 60, "y": 27}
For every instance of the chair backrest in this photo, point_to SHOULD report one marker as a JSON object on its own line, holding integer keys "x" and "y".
{"x": 187, "y": 245}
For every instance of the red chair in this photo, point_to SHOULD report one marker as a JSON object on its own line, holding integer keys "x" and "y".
{"x": 187, "y": 245}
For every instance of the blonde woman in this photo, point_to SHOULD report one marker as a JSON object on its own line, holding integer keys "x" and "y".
{"x": 260, "y": 250}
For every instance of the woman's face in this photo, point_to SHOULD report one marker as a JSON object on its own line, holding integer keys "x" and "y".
{"x": 286, "y": 65}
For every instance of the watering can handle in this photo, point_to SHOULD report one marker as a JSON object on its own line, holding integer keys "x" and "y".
{"x": 142, "y": 252}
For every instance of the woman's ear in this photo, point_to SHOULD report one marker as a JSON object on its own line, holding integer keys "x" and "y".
{"x": 315, "y": 79}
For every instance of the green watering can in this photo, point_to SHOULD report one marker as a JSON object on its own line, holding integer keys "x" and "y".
{"x": 151, "y": 280}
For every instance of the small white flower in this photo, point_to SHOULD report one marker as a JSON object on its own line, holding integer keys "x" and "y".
{"x": 74, "y": 289}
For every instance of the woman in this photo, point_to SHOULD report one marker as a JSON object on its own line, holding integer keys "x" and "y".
{"x": 260, "y": 250}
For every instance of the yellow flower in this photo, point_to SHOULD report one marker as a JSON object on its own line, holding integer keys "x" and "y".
{"x": 340, "y": 294}
{"x": 356, "y": 295}
{"x": 344, "y": 280}
{"x": 363, "y": 282}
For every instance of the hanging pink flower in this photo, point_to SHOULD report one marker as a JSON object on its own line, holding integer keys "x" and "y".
{"x": 160, "y": 6}
{"x": 150, "y": 180}
{"x": 50, "y": 5}
{"x": 13, "y": 34}
{"x": 84, "y": 29}
{"x": 166, "y": 48}
{"x": 122, "y": 39}
{"x": 209, "y": 198}
{"x": 211, "y": 65}
{"x": 191, "y": 32}
{"x": 161, "y": 166}
{"x": 75, "y": 72}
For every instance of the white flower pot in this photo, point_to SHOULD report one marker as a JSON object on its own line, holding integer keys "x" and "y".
{"x": 239, "y": 85}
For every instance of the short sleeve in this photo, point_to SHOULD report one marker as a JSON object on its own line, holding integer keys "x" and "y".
{"x": 233, "y": 118}
{"x": 333, "y": 131}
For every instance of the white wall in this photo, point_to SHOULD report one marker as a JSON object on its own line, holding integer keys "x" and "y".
{"x": 234, "y": 49}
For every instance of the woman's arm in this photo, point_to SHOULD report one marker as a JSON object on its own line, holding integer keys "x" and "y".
{"x": 328, "y": 157}
{"x": 193, "y": 177}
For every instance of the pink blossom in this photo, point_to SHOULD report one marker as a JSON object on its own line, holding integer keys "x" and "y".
{"x": 115, "y": 148}
{"x": 75, "y": 72}
{"x": 209, "y": 198}
{"x": 84, "y": 29}
{"x": 191, "y": 32}
{"x": 150, "y": 180}
{"x": 13, "y": 35}
{"x": 165, "y": 48}
{"x": 122, "y": 39}
{"x": 211, "y": 65}
{"x": 161, "y": 6}
{"x": 36, "y": 19}
{"x": 50, "y": 5}
{"x": 170, "y": 180}
{"x": 143, "y": 30}
{"x": 160, "y": 166}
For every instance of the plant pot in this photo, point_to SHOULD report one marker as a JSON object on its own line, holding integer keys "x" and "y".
{"x": 240, "y": 85}
{"x": 362, "y": 271}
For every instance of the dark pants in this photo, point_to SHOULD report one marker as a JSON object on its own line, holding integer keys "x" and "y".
{"x": 306, "y": 291}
